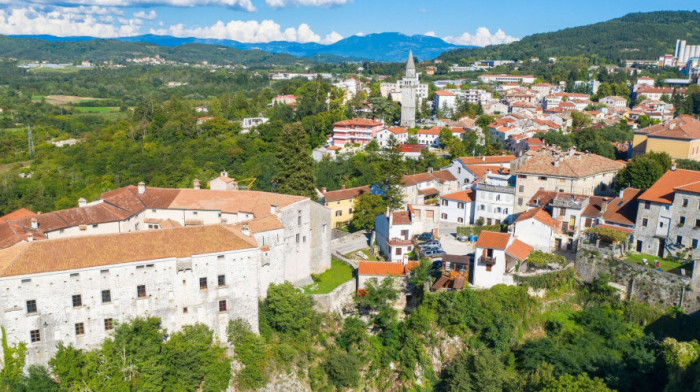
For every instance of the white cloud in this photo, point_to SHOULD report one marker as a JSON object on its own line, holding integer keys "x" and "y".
{"x": 66, "y": 21}
{"x": 146, "y": 15}
{"x": 310, "y": 3}
{"x": 249, "y": 31}
{"x": 430, "y": 34}
{"x": 482, "y": 37}
{"x": 244, "y": 5}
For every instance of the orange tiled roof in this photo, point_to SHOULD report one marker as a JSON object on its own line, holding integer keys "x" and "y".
{"x": 102, "y": 250}
{"x": 685, "y": 127}
{"x": 17, "y": 214}
{"x": 401, "y": 218}
{"x": 486, "y": 160}
{"x": 397, "y": 130}
{"x": 519, "y": 250}
{"x": 663, "y": 189}
{"x": 358, "y": 122}
{"x": 623, "y": 210}
{"x": 480, "y": 170}
{"x": 492, "y": 240}
{"x": 466, "y": 196}
{"x": 345, "y": 194}
{"x": 579, "y": 165}
{"x": 439, "y": 175}
{"x": 538, "y": 214}
{"x": 380, "y": 268}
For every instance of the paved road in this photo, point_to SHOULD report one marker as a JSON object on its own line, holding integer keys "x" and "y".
{"x": 358, "y": 243}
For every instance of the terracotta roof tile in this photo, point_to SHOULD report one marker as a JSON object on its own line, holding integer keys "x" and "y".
{"x": 579, "y": 165}
{"x": 684, "y": 127}
{"x": 466, "y": 196}
{"x": 663, "y": 189}
{"x": 357, "y": 122}
{"x": 344, "y": 194}
{"x": 401, "y": 218}
{"x": 380, "y": 268}
{"x": 255, "y": 202}
{"x": 492, "y": 240}
{"x": 397, "y": 130}
{"x": 17, "y": 214}
{"x": 538, "y": 214}
{"x": 486, "y": 160}
{"x": 519, "y": 250}
{"x": 102, "y": 250}
{"x": 623, "y": 210}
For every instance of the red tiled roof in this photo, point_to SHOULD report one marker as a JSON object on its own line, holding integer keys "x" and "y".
{"x": 492, "y": 240}
{"x": 663, "y": 189}
{"x": 623, "y": 210}
{"x": 428, "y": 191}
{"x": 440, "y": 176}
{"x": 538, "y": 214}
{"x": 397, "y": 130}
{"x": 480, "y": 170}
{"x": 401, "y": 218}
{"x": 444, "y": 93}
{"x": 17, "y": 214}
{"x": 486, "y": 160}
{"x": 579, "y": 165}
{"x": 466, "y": 196}
{"x": 519, "y": 250}
{"x": 685, "y": 127}
{"x": 358, "y": 122}
{"x": 380, "y": 268}
{"x": 344, "y": 194}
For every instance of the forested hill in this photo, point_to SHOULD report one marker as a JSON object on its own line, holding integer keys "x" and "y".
{"x": 99, "y": 50}
{"x": 633, "y": 36}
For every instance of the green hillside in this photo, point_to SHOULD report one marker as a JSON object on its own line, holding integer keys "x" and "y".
{"x": 106, "y": 50}
{"x": 633, "y": 36}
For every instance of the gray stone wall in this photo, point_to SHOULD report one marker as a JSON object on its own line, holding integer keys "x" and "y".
{"x": 691, "y": 212}
{"x": 646, "y": 233}
{"x": 642, "y": 283}
{"x": 336, "y": 300}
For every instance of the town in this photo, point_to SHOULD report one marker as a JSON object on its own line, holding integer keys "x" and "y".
{"x": 359, "y": 225}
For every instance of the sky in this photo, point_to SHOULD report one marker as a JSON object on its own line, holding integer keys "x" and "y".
{"x": 464, "y": 22}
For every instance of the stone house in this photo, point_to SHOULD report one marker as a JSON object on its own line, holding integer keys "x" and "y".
{"x": 394, "y": 235}
{"x": 496, "y": 257}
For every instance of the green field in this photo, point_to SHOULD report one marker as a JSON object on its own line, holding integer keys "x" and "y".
{"x": 666, "y": 265}
{"x": 338, "y": 274}
{"x": 96, "y": 109}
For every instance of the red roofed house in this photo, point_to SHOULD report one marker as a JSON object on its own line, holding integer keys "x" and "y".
{"x": 431, "y": 136}
{"x": 284, "y": 100}
{"x": 356, "y": 131}
{"x": 496, "y": 258}
{"x": 679, "y": 137}
{"x": 457, "y": 207}
{"x": 535, "y": 227}
{"x": 460, "y": 167}
{"x": 394, "y": 235}
{"x": 445, "y": 101}
{"x": 383, "y": 136}
{"x": 668, "y": 215}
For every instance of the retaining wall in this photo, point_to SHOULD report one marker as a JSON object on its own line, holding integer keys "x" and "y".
{"x": 337, "y": 299}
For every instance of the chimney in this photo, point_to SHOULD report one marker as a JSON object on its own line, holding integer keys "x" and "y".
{"x": 388, "y": 212}
{"x": 537, "y": 201}
{"x": 323, "y": 190}
{"x": 196, "y": 184}
{"x": 343, "y": 187}
{"x": 273, "y": 208}
{"x": 245, "y": 230}
{"x": 604, "y": 207}
{"x": 35, "y": 224}
{"x": 82, "y": 202}
{"x": 142, "y": 188}
{"x": 224, "y": 174}
{"x": 30, "y": 237}
{"x": 622, "y": 191}
{"x": 673, "y": 166}
{"x": 483, "y": 159}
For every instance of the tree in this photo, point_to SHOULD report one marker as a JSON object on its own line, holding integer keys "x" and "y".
{"x": 477, "y": 371}
{"x": 343, "y": 369}
{"x": 296, "y": 168}
{"x": 483, "y": 122}
{"x": 12, "y": 360}
{"x": 289, "y": 311}
{"x": 580, "y": 120}
{"x": 392, "y": 167}
{"x": 252, "y": 351}
{"x": 580, "y": 383}
{"x": 643, "y": 170}
{"x": 366, "y": 207}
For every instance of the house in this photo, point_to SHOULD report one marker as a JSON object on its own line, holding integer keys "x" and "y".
{"x": 394, "y": 235}
{"x": 380, "y": 270}
{"x": 284, "y": 100}
{"x": 201, "y": 109}
{"x": 251, "y": 122}
{"x": 523, "y": 79}
{"x": 467, "y": 169}
{"x": 431, "y": 137}
{"x": 457, "y": 207}
{"x": 495, "y": 196}
{"x": 399, "y": 133}
{"x": 680, "y": 138}
{"x": 222, "y": 183}
{"x": 356, "y": 131}
{"x": 536, "y": 228}
{"x": 615, "y": 102}
{"x": 571, "y": 171}
{"x": 423, "y": 187}
{"x": 621, "y": 212}
{"x": 496, "y": 257}
{"x": 668, "y": 214}
{"x": 445, "y": 101}
{"x": 341, "y": 203}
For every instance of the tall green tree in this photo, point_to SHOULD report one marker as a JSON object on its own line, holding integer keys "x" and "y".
{"x": 367, "y": 206}
{"x": 296, "y": 168}
{"x": 643, "y": 170}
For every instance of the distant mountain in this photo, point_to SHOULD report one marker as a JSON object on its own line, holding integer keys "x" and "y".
{"x": 388, "y": 47}
{"x": 634, "y": 36}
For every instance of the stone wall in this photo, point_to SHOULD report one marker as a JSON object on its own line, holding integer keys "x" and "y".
{"x": 336, "y": 300}
{"x": 642, "y": 283}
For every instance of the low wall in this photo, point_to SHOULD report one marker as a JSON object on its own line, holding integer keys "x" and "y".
{"x": 642, "y": 283}
{"x": 337, "y": 299}
{"x": 346, "y": 237}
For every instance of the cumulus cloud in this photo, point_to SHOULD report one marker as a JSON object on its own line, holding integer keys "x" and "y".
{"x": 482, "y": 37}
{"x": 430, "y": 34}
{"x": 146, "y": 15}
{"x": 244, "y": 5}
{"x": 308, "y": 3}
{"x": 66, "y": 21}
{"x": 249, "y": 31}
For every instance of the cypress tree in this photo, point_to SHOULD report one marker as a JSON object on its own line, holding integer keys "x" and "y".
{"x": 296, "y": 172}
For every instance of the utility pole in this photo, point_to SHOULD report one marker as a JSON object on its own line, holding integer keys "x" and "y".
{"x": 30, "y": 141}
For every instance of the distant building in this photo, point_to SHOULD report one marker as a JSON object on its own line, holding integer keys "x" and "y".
{"x": 409, "y": 85}
{"x": 496, "y": 257}
{"x": 684, "y": 52}
{"x": 680, "y": 138}
{"x": 341, "y": 203}
{"x": 250, "y": 122}
{"x": 445, "y": 101}
{"x": 523, "y": 79}
{"x": 358, "y": 131}
{"x": 457, "y": 207}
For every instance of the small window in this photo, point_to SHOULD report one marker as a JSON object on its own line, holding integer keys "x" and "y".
{"x": 221, "y": 280}
{"x": 299, "y": 220}
{"x": 222, "y": 305}
{"x": 141, "y": 291}
{"x": 202, "y": 283}
{"x": 74, "y": 275}
{"x": 685, "y": 202}
{"x": 542, "y": 178}
{"x": 184, "y": 310}
{"x": 195, "y": 213}
{"x": 398, "y": 251}
{"x": 679, "y": 240}
{"x": 681, "y": 221}
{"x": 297, "y": 238}
{"x": 339, "y": 213}
{"x": 521, "y": 188}
{"x": 349, "y": 210}
{"x": 444, "y": 202}
{"x": 520, "y": 201}
{"x": 647, "y": 205}
{"x": 109, "y": 324}
{"x": 77, "y": 300}
{"x": 645, "y": 221}
{"x": 304, "y": 239}
{"x": 106, "y": 296}
{"x": 460, "y": 206}
{"x": 697, "y": 223}
{"x": 460, "y": 220}
{"x": 661, "y": 224}
{"x": 443, "y": 216}
{"x": 31, "y": 306}
{"x": 220, "y": 257}
{"x": 94, "y": 226}
{"x": 35, "y": 336}
{"x": 79, "y": 329}
{"x": 695, "y": 243}
{"x": 105, "y": 271}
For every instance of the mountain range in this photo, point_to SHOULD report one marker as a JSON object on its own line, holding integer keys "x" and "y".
{"x": 384, "y": 47}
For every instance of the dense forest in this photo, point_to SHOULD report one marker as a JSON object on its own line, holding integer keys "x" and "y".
{"x": 644, "y": 36}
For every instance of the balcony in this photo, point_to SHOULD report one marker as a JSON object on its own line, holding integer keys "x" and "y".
{"x": 486, "y": 260}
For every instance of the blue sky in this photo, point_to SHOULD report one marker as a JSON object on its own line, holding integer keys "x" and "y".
{"x": 325, "y": 21}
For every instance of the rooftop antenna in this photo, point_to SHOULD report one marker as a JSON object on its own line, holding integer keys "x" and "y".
{"x": 30, "y": 141}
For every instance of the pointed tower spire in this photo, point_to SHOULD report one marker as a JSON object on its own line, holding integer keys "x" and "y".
{"x": 409, "y": 63}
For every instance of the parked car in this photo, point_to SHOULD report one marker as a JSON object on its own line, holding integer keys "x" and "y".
{"x": 462, "y": 238}
{"x": 431, "y": 243}
{"x": 434, "y": 252}
{"x": 425, "y": 237}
